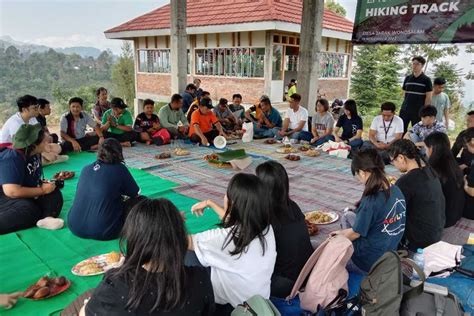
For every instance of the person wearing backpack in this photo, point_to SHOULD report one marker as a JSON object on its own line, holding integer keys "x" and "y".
{"x": 241, "y": 253}
{"x": 424, "y": 196}
{"x": 290, "y": 229}
{"x": 378, "y": 223}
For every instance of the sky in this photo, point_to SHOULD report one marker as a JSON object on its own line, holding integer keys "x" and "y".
{"x": 66, "y": 23}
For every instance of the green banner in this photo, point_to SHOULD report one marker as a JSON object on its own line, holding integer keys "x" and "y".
{"x": 413, "y": 22}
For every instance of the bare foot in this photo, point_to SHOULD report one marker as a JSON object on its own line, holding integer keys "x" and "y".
{"x": 94, "y": 147}
{"x": 126, "y": 144}
{"x": 148, "y": 142}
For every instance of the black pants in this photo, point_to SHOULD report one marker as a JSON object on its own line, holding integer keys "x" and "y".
{"x": 125, "y": 137}
{"x": 85, "y": 142}
{"x": 55, "y": 138}
{"x": 412, "y": 117}
{"x": 18, "y": 214}
{"x": 209, "y": 135}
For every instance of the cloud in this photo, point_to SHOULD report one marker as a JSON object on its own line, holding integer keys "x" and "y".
{"x": 98, "y": 41}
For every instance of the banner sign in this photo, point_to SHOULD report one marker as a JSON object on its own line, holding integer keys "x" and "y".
{"x": 416, "y": 21}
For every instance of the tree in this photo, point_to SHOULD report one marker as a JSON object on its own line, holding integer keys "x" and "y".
{"x": 364, "y": 77}
{"x": 431, "y": 52}
{"x": 123, "y": 74}
{"x": 388, "y": 67}
{"x": 335, "y": 7}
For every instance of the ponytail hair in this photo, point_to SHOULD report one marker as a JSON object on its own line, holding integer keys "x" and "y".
{"x": 406, "y": 148}
{"x": 370, "y": 161}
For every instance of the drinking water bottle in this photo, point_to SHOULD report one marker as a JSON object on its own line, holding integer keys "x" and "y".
{"x": 419, "y": 259}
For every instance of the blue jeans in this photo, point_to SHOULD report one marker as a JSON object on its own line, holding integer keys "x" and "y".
{"x": 355, "y": 144}
{"x": 301, "y": 135}
{"x": 417, "y": 139}
{"x": 265, "y": 131}
{"x": 323, "y": 140}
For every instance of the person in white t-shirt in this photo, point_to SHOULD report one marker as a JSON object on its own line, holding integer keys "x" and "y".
{"x": 295, "y": 124}
{"x": 242, "y": 253}
{"x": 27, "y": 113}
{"x": 385, "y": 129}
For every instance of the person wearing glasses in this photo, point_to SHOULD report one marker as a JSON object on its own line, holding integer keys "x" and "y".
{"x": 418, "y": 90}
{"x": 25, "y": 197}
{"x": 27, "y": 113}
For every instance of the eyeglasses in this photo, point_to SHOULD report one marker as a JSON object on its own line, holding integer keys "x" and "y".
{"x": 393, "y": 159}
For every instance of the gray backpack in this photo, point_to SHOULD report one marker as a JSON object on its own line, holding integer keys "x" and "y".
{"x": 383, "y": 293}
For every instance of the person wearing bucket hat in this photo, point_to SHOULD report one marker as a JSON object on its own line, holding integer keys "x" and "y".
{"x": 117, "y": 123}
{"x": 202, "y": 122}
{"x": 24, "y": 197}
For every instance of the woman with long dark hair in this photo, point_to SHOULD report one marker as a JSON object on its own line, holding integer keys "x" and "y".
{"x": 441, "y": 159}
{"x": 423, "y": 194}
{"x": 351, "y": 124}
{"x": 105, "y": 192}
{"x": 378, "y": 223}
{"x": 24, "y": 197}
{"x": 153, "y": 279}
{"x": 289, "y": 227}
{"x": 241, "y": 253}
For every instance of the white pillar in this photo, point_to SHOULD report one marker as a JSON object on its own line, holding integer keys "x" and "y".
{"x": 268, "y": 65}
{"x": 179, "y": 54}
{"x": 310, "y": 47}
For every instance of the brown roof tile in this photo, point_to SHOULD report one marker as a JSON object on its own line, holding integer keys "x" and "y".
{"x": 220, "y": 12}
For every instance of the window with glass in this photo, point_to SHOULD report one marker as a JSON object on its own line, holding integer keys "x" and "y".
{"x": 333, "y": 65}
{"x": 230, "y": 62}
{"x": 154, "y": 60}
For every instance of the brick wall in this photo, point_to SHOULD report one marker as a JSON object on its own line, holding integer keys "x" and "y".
{"x": 221, "y": 87}
{"x": 333, "y": 88}
{"x": 159, "y": 84}
{"x": 250, "y": 89}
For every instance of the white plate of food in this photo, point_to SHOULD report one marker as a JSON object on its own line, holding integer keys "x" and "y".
{"x": 321, "y": 217}
{"x": 98, "y": 264}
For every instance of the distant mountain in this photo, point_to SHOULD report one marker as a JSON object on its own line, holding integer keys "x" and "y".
{"x": 80, "y": 50}
{"x": 6, "y": 41}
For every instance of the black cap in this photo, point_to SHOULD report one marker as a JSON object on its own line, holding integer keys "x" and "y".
{"x": 118, "y": 103}
{"x": 206, "y": 102}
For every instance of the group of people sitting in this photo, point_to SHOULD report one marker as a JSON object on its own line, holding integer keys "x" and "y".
{"x": 253, "y": 249}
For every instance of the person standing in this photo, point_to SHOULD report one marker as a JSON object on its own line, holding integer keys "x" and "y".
{"x": 440, "y": 101}
{"x": 291, "y": 88}
{"x": 197, "y": 83}
{"x": 101, "y": 105}
{"x": 188, "y": 96}
{"x": 418, "y": 89}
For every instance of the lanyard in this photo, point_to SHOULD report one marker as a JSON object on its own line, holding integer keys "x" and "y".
{"x": 385, "y": 128}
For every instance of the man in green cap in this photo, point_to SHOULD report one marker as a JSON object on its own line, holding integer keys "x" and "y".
{"x": 118, "y": 123}
{"x": 24, "y": 197}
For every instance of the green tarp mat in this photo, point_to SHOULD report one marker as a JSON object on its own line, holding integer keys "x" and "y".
{"x": 27, "y": 255}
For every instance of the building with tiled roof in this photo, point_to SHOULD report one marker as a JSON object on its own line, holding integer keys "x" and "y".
{"x": 229, "y": 42}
